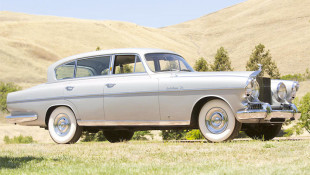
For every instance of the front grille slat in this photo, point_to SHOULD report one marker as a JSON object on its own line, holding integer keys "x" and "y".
{"x": 256, "y": 106}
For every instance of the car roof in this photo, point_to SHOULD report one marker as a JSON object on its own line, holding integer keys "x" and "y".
{"x": 141, "y": 51}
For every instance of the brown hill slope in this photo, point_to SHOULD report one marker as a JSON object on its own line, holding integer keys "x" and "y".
{"x": 283, "y": 26}
{"x": 29, "y": 43}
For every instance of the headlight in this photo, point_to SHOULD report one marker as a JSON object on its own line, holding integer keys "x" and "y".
{"x": 294, "y": 89}
{"x": 252, "y": 89}
{"x": 281, "y": 91}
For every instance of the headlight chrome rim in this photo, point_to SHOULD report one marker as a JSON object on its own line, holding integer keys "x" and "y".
{"x": 252, "y": 89}
{"x": 294, "y": 89}
{"x": 281, "y": 92}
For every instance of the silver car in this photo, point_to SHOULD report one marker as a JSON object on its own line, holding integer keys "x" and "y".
{"x": 125, "y": 90}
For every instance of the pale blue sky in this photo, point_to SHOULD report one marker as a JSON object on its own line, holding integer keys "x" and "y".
{"x": 156, "y": 13}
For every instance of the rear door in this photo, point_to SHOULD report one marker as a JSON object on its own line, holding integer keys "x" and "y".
{"x": 86, "y": 90}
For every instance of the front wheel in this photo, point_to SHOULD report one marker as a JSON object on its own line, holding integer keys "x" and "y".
{"x": 63, "y": 127}
{"x": 114, "y": 136}
{"x": 262, "y": 131}
{"x": 217, "y": 122}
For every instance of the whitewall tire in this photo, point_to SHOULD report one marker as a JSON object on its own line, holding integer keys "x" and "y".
{"x": 63, "y": 127}
{"x": 217, "y": 122}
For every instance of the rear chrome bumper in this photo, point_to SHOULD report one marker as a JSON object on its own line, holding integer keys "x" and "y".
{"x": 267, "y": 115}
{"x": 21, "y": 118}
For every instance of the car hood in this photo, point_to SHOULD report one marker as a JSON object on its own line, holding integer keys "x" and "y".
{"x": 220, "y": 74}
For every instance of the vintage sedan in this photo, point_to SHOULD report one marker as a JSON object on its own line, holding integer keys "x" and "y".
{"x": 125, "y": 90}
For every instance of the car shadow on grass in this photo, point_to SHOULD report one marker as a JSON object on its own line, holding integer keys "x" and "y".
{"x": 16, "y": 162}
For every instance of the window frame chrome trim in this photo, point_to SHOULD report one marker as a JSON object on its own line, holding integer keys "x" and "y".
{"x": 75, "y": 67}
{"x": 129, "y": 54}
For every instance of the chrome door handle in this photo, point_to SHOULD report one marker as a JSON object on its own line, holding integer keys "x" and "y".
{"x": 69, "y": 88}
{"x": 110, "y": 85}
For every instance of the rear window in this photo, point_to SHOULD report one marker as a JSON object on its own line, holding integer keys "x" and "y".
{"x": 93, "y": 66}
{"x": 65, "y": 71}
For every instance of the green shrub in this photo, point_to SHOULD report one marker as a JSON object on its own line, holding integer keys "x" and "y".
{"x": 295, "y": 77}
{"x": 173, "y": 134}
{"x": 194, "y": 134}
{"x": 304, "y": 122}
{"x": 92, "y": 137}
{"x": 6, "y": 88}
{"x": 18, "y": 140}
{"x": 141, "y": 135}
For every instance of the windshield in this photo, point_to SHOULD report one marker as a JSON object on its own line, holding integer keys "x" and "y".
{"x": 162, "y": 62}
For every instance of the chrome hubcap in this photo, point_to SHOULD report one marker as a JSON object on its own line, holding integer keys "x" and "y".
{"x": 62, "y": 124}
{"x": 216, "y": 120}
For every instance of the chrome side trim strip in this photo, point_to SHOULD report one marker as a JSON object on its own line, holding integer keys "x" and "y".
{"x": 131, "y": 123}
{"x": 21, "y": 118}
{"x": 116, "y": 94}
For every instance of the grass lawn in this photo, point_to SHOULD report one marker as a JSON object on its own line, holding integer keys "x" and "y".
{"x": 238, "y": 157}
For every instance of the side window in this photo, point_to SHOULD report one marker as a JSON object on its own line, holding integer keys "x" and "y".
{"x": 125, "y": 64}
{"x": 93, "y": 66}
{"x": 65, "y": 71}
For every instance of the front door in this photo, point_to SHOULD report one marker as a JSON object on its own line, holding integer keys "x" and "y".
{"x": 130, "y": 94}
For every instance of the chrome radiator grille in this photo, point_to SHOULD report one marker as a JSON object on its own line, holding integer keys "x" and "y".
{"x": 265, "y": 89}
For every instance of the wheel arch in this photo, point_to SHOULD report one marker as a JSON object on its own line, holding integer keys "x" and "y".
{"x": 199, "y": 104}
{"x": 53, "y": 107}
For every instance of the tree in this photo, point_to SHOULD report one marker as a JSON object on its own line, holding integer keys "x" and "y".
{"x": 6, "y": 88}
{"x": 98, "y": 48}
{"x": 201, "y": 65}
{"x": 261, "y": 56}
{"x": 222, "y": 61}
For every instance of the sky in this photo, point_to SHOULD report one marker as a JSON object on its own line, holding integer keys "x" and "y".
{"x": 155, "y": 13}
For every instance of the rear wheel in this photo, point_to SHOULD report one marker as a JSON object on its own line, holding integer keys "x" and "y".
{"x": 217, "y": 122}
{"x": 63, "y": 127}
{"x": 114, "y": 136}
{"x": 262, "y": 131}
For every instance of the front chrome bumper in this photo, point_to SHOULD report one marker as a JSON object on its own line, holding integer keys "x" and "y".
{"x": 267, "y": 115}
{"x": 21, "y": 118}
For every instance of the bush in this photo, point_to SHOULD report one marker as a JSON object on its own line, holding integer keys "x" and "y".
{"x": 304, "y": 121}
{"x": 18, "y": 140}
{"x": 297, "y": 77}
{"x": 173, "y": 134}
{"x": 92, "y": 137}
{"x": 141, "y": 135}
{"x": 6, "y": 88}
{"x": 194, "y": 134}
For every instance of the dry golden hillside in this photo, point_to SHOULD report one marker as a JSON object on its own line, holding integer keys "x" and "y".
{"x": 30, "y": 43}
{"x": 283, "y": 26}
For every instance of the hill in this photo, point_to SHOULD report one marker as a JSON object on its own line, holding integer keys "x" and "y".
{"x": 30, "y": 43}
{"x": 282, "y": 26}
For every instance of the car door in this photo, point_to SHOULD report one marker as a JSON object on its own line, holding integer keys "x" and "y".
{"x": 86, "y": 90}
{"x": 170, "y": 101}
{"x": 130, "y": 94}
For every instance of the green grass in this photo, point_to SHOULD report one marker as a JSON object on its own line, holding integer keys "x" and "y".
{"x": 240, "y": 157}
{"x": 18, "y": 140}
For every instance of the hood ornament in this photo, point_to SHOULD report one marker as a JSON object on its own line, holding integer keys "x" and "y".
{"x": 259, "y": 67}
